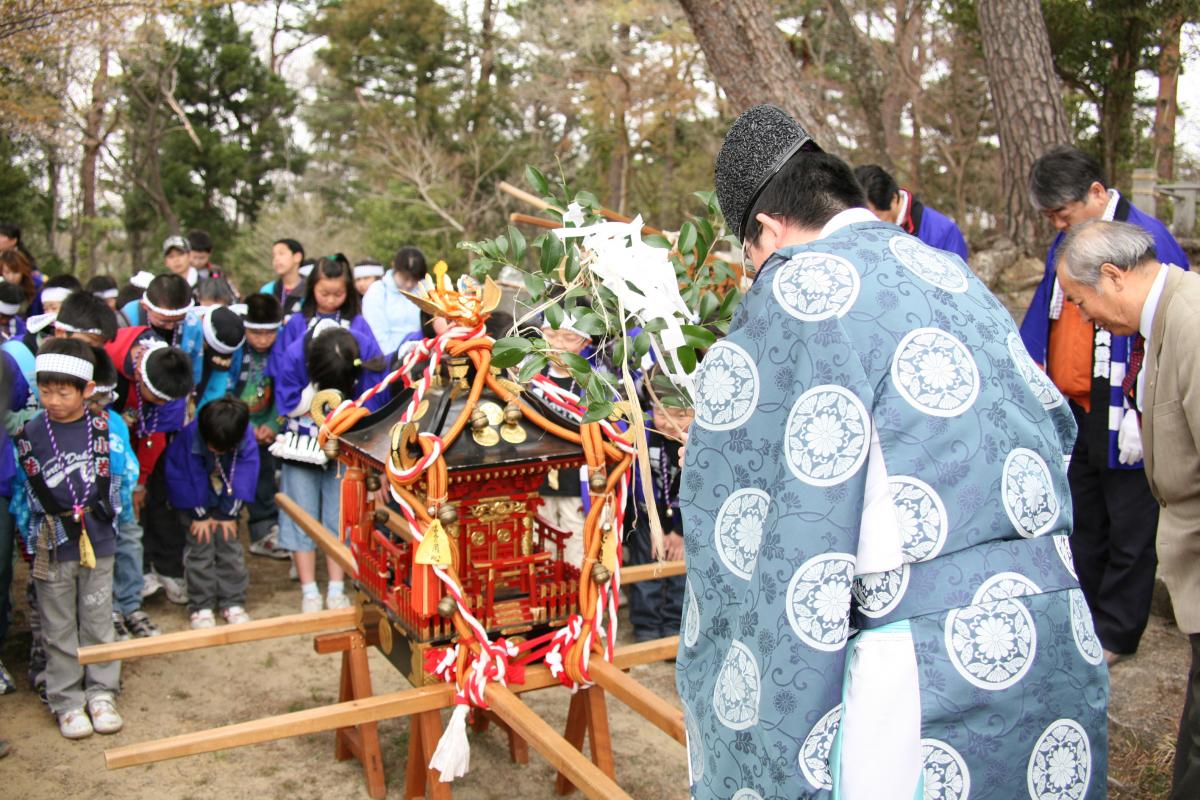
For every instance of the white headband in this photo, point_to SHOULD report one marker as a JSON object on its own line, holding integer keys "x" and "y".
{"x": 107, "y": 294}
{"x": 241, "y": 309}
{"x": 568, "y": 324}
{"x": 306, "y": 270}
{"x": 37, "y": 322}
{"x": 167, "y": 312}
{"x": 55, "y": 294}
{"x": 151, "y": 346}
{"x": 210, "y": 336}
{"x": 9, "y": 309}
{"x": 142, "y": 280}
{"x": 69, "y": 328}
{"x": 66, "y": 365}
{"x": 368, "y": 271}
{"x": 322, "y": 325}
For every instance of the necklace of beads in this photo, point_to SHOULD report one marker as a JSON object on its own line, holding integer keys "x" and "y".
{"x": 76, "y": 504}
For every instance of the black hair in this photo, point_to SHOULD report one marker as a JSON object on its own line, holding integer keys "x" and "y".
{"x": 333, "y": 361}
{"x": 222, "y": 424}
{"x": 63, "y": 281}
{"x": 100, "y": 283}
{"x": 14, "y": 232}
{"x": 128, "y": 293}
{"x": 65, "y": 347}
{"x": 293, "y": 245}
{"x": 1063, "y": 175}
{"x": 881, "y": 188}
{"x": 105, "y": 373}
{"x": 170, "y": 371}
{"x": 410, "y": 261}
{"x": 85, "y": 311}
{"x": 215, "y": 289}
{"x": 332, "y": 267}
{"x": 808, "y": 191}
{"x": 498, "y": 324}
{"x": 11, "y": 293}
{"x": 200, "y": 240}
{"x": 263, "y": 308}
{"x": 169, "y": 291}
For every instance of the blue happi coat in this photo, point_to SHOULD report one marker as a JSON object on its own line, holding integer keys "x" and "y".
{"x": 191, "y": 467}
{"x": 1106, "y": 380}
{"x": 874, "y": 453}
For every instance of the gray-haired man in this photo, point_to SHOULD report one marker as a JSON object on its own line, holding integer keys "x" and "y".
{"x": 1110, "y": 271}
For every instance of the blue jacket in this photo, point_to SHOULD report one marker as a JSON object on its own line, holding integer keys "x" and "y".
{"x": 220, "y": 382}
{"x": 1035, "y": 328}
{"x": 391, "y": 315}
{"x": 938, "y": 230}
{"x": 190, "y": 465}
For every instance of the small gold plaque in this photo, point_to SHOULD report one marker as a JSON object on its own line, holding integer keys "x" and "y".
{"x": 495, "y": 414}
{"x": 385, "y": 635}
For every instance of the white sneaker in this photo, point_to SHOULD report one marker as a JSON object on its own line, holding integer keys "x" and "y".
{"x": 235, "y": 615}
{"x": 150, "y": 584}
{"x": 203, "y": 619}
{"x": 339, "y": 600}
{"x": 103, "y": 711}
{"x": 176, "y": 589}
{"x": 74, "y": 724}
{"x": 269, "y": 546}
{"x": 310, "y": 603}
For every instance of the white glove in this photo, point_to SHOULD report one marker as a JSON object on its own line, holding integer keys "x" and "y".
{"x": 1129, "y": 438}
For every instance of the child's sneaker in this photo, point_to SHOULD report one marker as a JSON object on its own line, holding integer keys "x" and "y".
{"x": 138, "y": 623}
{"x": 150, "y": 584}
{"x": 339, "y": 600}
{"x": 103, "y": 712}
{"x": 310, "y": 602}
{"x": 119, "y": 631}
{"x": 235, "y": 615}
{"x": 74, "y": 724}
{"x": 6, "y": 680}
{"x": 269, "y": 546}
{"x": 176, "y": 589}
{"x": 203, "y": 619}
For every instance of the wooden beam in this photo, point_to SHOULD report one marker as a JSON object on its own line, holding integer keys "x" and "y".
{"x": 342, "y": 715}
{"x": 653, "y": 708}
{"x": 652, "y": 571}
{"x": 521, "y": 194}
{"x": 254, "y": 631}
{"x": 397, "y": 524}
{"x": 553, "y": 747}
{"x": 321, "y": 535}
{"x": 540, "y": 222}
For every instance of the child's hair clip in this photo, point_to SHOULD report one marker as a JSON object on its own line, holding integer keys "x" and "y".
{"x": 358, "y": 362}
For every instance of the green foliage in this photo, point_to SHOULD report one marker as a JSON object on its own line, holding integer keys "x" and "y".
{"x": 558, "y": 282}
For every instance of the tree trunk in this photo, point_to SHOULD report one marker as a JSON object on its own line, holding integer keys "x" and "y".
{"x": 1117, "y": 102}
{"x": 750, "y": 59}
{"x": 1166, "y": 107}
{"x": 1030, "y": 117}
{"x": 93, "y": 138}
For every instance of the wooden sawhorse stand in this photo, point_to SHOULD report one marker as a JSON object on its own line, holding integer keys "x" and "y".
{"x": 357, "y": 741}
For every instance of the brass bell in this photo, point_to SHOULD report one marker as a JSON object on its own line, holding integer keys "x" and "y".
{"x": 380, "y": 516}
{"x": 447, "y": 606}
{"x": 606, "y": 528}
{"x": 512, "y": 414}
{"x": 600, "y": 573}
{"x": 447, "y": 515}
{"x": 330, "y": 448}
{"x": 373, "y": 482}
{"x": 598, "y": 482}
{"x": 479, "y": 419}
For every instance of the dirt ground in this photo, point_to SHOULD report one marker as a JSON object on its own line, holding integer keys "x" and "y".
{"x": 175, "y": 694}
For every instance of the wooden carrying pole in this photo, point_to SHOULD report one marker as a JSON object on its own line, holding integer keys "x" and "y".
{"x": 348, "y": 714}
{"x": 554, "y": 748}
{"x": 652, "y": 571}
{"x": 255, "y": 631}
{"x": 542, "y": 205}
{"x": 321, "y": 535}
{"x": 653, "y": 708}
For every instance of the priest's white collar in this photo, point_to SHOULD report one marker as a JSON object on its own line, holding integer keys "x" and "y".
{"x": 1150, "y": 307}
{"x": 848, "y": 217}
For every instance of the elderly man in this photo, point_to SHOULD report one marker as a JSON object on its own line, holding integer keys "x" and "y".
{"x": 1109, "y": 270}
{"x": 1115, "y": 514}
{"x": 880, "y": 601}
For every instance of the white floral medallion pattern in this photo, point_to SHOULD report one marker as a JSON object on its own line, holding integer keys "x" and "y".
{"x": 816, "y": 286}
{"x": 991, "y": 645}
{"x": 814, "y": 753}
{"x": 1039, "y": 382}
{"x": 738, "y": 689}
{"x": 1062, "y": 543}
{"x": 946, "y": 775}
{"x": 746, "y": 794}
{"x": 934, "y": 372}
{"x": 1005, "y": 586}
{"x": 739, "y": 529}
{"x": 827, "y": 436}
{"x": 727, "y": 388}
{"x": 878, "y": 593}
{"x": 1060, "y": 766}
{"x": 1083, "y": 630}
{"x": 695, "y": 746}
{"x": 1028, "y": 493}
{"x": 691, "y": 617}
{"x": 921, "y": 516}
{"x": 818, "y": 601}
{"x": 929, "y": 264}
